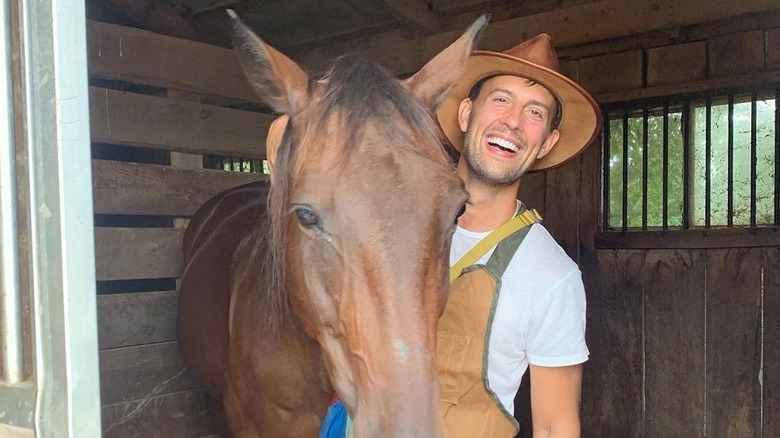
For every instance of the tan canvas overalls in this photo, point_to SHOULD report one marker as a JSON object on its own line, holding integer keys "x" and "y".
{"x": 469, "y": 408}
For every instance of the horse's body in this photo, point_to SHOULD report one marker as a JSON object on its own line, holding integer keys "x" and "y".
{"x": 339, "y": 281}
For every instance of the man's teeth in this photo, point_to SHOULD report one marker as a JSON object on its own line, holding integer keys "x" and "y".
{"x": 500, "y": 142}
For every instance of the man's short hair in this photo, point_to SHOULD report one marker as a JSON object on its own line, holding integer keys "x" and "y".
{"x": 557, "y": 110}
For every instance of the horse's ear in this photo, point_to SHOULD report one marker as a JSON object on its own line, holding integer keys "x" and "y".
{"x": 279, "y": 81}
{"x": 274, "y": 139}
{"x": 435, "y": 79}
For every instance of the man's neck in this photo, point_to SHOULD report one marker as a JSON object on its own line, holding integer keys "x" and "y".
{"x": 488, "y": 207}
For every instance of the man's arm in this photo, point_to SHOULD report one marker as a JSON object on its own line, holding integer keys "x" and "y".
{"x": 555, "y": 401}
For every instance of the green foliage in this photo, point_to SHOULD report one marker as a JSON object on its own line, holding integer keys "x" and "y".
{"x": 637, "y": 176}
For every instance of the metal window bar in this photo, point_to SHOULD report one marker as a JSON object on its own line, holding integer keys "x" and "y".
{"x": 753, "y": 159}
{"x": 665, "y": 170}
{"x": 644, "y": 168}
{"x": 686, "y": 168}
{"x": 777, "y": 157}
{"x": 624, "y": 217}
{"x": 708, "y": 163}
{"x": 730, "y": 164}
{"x": 606, "y": 161}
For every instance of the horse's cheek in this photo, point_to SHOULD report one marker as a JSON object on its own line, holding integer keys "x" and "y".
{"x": 321, "y": 277}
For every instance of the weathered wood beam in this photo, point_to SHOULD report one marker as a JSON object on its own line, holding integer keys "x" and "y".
{"x": 136, "y": 253}
{"x": 417, "y": 14}
{"x": 147, "y": 189}
{"x": 143, "y": 57}
{"x": 198, "y": 6}
{"x": 175, "y": 125}
{"x": 580, "y": 24}
{"x": 169, "y": 19}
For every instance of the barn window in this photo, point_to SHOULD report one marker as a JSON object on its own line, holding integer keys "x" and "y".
{"x": 692, "y": 163}
{"x": 234, "y": 164}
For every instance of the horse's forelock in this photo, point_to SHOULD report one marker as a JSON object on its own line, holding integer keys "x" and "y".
{"x": 276, "y": 303}
{"x": 360, "y": 93}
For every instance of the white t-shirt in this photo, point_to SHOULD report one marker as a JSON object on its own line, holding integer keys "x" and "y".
{"x": 540, "y": 316}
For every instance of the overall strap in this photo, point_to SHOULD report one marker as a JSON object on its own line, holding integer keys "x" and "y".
{"x": 499, "y": 260}
{"x": 519, "y": 222}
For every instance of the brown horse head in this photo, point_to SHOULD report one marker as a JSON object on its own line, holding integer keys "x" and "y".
{"x": 363, "y": 205}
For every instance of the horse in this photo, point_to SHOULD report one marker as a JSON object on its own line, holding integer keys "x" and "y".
{"x": 335, "y": 283}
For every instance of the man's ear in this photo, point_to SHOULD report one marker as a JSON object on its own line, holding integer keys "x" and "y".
{"x": 549, "y": 142}
{"x": 464, "y": 113}
{"x": 274, "y": 139}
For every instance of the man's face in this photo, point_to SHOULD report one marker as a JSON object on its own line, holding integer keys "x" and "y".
{"x": 507, "y": 128}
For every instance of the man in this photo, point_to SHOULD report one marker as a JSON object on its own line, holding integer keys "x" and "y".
{"x": 523, "y": 302}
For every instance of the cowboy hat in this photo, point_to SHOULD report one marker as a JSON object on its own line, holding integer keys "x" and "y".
{"x": 533, "y": 59}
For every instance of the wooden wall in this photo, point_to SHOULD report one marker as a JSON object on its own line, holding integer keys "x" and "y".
{"x": 684, "y": 338}
{"x": 170, "y": 100}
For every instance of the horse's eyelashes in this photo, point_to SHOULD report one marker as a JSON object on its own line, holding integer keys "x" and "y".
{"x": 308, "y": 218}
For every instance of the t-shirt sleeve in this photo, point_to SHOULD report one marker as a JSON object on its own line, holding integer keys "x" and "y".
{"x": 556, "y": 329}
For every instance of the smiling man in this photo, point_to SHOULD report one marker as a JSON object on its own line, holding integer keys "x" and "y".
{"x": 518, "y": 302}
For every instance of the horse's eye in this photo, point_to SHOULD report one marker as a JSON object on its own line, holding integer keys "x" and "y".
{"x": 308, "y": 219}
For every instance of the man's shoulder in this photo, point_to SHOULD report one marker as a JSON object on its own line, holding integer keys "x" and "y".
{"x": 539, "y": 247}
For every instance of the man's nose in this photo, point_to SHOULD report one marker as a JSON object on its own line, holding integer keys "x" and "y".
{"x": 514, "y": 119}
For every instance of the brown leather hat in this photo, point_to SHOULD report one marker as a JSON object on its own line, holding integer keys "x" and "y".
{"x": 534, "y": 59}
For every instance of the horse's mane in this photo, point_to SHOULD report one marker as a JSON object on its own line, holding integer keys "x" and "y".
{"x": 357, "y": 91}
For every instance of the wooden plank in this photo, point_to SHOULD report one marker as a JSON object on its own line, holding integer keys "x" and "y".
{"x": 136, "y": 318}
{"x": 142, "y": 57}
{"x": 568, "y": 27}
{"x": 674, "y": 343}
{"x": 698, "y": 238}
{"x": 171, "y": 124}
{"x": 589, "y": 199}
{"x": 198, "y": 6}
{"x": 771, "y": 342}
{"x": 415, "y": 13}
{"x": 131, "y": 188}
{"x": 183, "y": 414}
{"x": 533, "y": 190}
{"x": 612, "y": 379}
{"x": 733, "y": 303}
{"x": 562, "y": 206}
{"x": 134, "y": 253}
{"x": 746, "y": 82}
{"x": 142, "y": 372}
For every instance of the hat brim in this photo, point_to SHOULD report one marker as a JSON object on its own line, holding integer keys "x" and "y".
{"x": 581, "y": 117}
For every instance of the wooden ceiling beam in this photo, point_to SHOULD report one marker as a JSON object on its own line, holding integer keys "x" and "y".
{"x": 417, "y": 14}
{"x": 586, "y": 23}
{"x": 198, "y": 6}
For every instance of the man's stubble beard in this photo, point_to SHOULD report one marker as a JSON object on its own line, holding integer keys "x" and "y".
{"x": 481, "y": 171}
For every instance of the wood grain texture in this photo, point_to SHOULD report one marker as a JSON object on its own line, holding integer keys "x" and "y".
{"x": 568, "y": 27}
{"x": 135, "y": 253}
{"x": 612, "y": 378}
{"x": 176, "y": 125}
{"x": 688, "y": 239}
{"x": 131, "y": 188}
{"x": 136, "y": 318}
{"x": 180, "y": 415}
{"x": 143, "y": 57}
{"x": 674, "y": 343}
{"x": 141, "y": 372}
{"x": 771, "y": 342}
{"x": 733, "y": 306}
{"x": 562, "y": 206}
{"x": 532, "y": 191}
